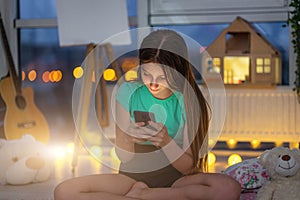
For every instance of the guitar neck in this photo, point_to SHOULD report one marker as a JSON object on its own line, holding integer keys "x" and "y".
{"x": 10, "y": 61}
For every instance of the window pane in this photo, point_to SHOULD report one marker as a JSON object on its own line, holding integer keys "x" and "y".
{"x": 259, "y": 69}
{"x": 132, "y": 7}
{"x": 217, "y": 62}
{"x": 267, "y": 61}
{"x": 259, "y": 61}
{"x": 30, "y": 9}
{"x": 267, "y": 69}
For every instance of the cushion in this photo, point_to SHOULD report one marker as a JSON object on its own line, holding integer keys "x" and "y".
{"x": 249, "y": 173}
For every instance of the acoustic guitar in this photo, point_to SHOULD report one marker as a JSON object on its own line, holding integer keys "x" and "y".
{"x": 22, "y": 116}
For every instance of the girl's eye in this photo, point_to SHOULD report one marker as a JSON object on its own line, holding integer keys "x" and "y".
{"x": 162, "y": 78}
{"x": 146, "y": 73}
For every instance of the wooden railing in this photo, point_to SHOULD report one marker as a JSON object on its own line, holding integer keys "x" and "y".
{"x": 267, "y": 115}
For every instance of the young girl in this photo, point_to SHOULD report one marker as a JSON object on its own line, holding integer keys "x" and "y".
{"x": 165, "y": 157}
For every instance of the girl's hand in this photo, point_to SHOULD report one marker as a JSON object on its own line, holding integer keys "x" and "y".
{"x": 135, "y": 133}
{"x": 156, "y": 133}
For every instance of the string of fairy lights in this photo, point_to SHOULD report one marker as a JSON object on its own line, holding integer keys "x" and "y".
{"x": 47, "y": 76}
{"x": 56, "y": 75}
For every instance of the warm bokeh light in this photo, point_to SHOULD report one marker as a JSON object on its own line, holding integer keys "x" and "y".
{"x": 70, "y": 148}
{"x": 211, "y": 143}
{"x": 294, "y": 145}
{"x": 115, "y": 162}
{"x": 278, "y": 143}
{"x": 211, "y": 159}
{"x": 93, "y": 77}
{"x": 233, "y": 159}
{"x": 55, "y": 76}
{"x": 23, "y": 75}
{"x": 131, "y": 75}
{"x": 92, "y": 138}
{"x": 45, "y": 76}
{"x": 231, "y": 143}
{"x": 58, "y": 152}
{"x": 255, "y": 144}
{"x": 78, "y": 72}
{"x": 113, "y": 154}
{"x": 60, "y": 75}
{"x": 32, "y": 75}
{"x": 109, "y": 75}
{"x": 96, "y": 151}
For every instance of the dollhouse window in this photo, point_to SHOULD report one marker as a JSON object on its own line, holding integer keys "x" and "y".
{"x": 259, "y": 65}
{"x": 217, "y": 64}
{"x": 236, "y": 69}
{"x": 263, "y": 65}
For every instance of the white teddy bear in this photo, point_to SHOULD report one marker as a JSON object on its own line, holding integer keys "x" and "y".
{"x": 24, "y": 161}
{"x": 283, "y": 167}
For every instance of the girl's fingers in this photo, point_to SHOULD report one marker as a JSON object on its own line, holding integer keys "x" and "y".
{"x": 136, "y": 140}
{"x": 157, "y": 138}
{"x": 134, "y": 129}
{"x": 139, "y": 124}
{"x": 153, "y": 132}
{"x": 156, "y": 125}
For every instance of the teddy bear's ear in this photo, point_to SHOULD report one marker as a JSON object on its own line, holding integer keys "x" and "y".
{"x": 263, "y": 157}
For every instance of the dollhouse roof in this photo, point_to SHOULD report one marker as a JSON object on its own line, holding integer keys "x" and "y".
{"x": 241, "y": 38}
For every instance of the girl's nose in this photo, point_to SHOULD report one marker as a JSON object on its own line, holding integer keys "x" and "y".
{"x": 154, "y": 85}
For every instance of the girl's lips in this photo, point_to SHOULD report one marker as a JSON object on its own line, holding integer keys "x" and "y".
{"x": 153, "y": 89}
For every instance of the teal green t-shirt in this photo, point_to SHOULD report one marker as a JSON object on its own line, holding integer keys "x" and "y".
{"x": 135, "y": 96}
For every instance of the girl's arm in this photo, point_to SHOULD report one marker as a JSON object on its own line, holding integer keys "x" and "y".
{"x": 124, "y": 144}
{"x": 181, "y": 157}
{"x": 125, "y": 134}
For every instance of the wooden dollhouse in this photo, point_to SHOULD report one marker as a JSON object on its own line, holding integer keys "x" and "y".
{"x": 243, "y": 56}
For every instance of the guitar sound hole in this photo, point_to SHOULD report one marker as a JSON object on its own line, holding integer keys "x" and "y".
{"x": 21, "y": 102}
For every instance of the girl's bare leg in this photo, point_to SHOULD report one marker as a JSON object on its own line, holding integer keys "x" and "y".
{"x": 104, "y": 186}
{"x": 120, "y": 187}
{"x": 213, "y": 185}
{"x": 198, "y": 186}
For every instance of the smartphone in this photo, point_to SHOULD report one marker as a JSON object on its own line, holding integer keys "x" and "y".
{"x": 142, "y": 116}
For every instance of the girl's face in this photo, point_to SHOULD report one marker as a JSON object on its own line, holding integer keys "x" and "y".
{"x": 155, "y": 80}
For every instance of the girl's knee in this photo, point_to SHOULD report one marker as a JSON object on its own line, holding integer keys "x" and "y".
{"x": 58, "y": 192}
{"x": 62, "y": 192}
{"x": 229, "y": 187}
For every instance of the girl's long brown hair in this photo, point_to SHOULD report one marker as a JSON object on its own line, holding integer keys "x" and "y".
{"x": 168, "y": 48}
